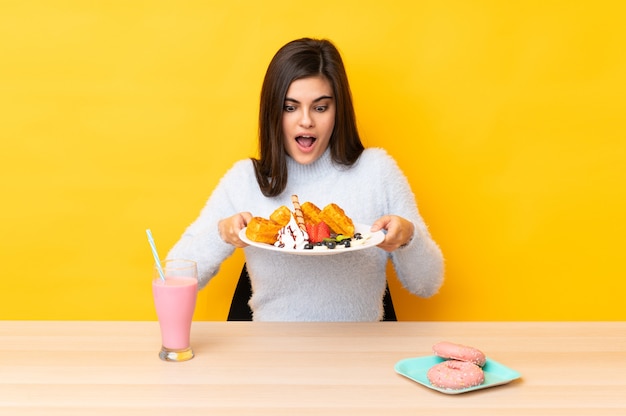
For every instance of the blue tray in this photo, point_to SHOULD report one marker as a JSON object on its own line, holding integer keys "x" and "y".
{"x": 416, "y": 368}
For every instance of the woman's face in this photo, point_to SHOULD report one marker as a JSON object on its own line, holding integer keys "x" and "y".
{"x": 308, "y": 118}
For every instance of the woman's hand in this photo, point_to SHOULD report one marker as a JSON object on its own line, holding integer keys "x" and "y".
{"x": 399, "y": 231}
{"x": 229, "y": 228}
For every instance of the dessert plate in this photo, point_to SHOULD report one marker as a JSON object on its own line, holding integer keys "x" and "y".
{"x": 416, "y": 368}
{"x": 370, "y": 239}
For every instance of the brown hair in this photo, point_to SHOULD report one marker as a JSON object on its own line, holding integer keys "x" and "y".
{"x": 299, "y": 59}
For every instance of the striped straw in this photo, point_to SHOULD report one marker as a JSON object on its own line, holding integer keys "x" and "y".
{"x": 154, "y": 253}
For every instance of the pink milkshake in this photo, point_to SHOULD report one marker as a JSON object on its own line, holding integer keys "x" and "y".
{"x": 175, "y": 301}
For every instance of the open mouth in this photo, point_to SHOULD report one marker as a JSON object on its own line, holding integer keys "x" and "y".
{"x": 306, "y": 141}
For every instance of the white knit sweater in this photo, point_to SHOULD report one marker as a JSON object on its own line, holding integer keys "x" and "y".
{"x": 341, "y": 287}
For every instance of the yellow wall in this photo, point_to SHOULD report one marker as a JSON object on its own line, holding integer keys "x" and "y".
{"x": 508, "y": 118}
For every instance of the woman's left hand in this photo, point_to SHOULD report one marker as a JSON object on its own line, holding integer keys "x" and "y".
{"x": 399, "y": 231}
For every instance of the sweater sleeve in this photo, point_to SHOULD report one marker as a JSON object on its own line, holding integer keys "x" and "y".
{"x": 201, "y": 241}
{"x": 419, "y": 265}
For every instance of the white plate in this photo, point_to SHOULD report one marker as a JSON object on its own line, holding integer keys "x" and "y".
{"x": 371, "y": 240}
{"x": 416, "y": 368}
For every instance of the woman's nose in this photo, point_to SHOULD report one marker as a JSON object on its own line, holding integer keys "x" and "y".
{"x": 306, "y": 120}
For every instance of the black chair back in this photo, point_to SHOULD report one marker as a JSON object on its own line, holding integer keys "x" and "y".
{"x": 240, "y": 310}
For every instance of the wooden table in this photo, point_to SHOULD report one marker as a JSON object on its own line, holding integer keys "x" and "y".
{"x": 243, "y": 368}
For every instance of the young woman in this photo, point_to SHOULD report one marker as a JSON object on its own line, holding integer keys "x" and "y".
{"x": 309, "y": 146}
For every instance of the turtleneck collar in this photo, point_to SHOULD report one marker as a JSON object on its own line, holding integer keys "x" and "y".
{"x": 321, "y": 166}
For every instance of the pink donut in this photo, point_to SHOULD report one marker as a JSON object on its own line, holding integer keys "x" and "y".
{"x": 459, "y": 352}
{"x": 455, "y": 375}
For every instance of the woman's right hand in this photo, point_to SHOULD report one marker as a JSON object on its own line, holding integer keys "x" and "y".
{"x": 229, "y": 228}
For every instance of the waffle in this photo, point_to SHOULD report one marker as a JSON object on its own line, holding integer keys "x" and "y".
{"x": 337, "y": 220}
{"x": 281, "y": 215}
{"x": 311, "y": 213}
{"x": 262, "y": 230}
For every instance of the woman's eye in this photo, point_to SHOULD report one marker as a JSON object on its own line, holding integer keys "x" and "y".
{"x": 289, "y": 108}
{"x": 321, "y": 108}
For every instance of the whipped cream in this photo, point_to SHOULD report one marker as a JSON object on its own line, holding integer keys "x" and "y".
{"x": 291, "y": 236}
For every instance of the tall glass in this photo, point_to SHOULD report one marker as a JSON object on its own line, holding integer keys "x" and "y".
{"x": 175, "y": 301}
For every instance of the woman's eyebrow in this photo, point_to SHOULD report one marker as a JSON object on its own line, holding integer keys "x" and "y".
{"x": 323, "y": 97}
